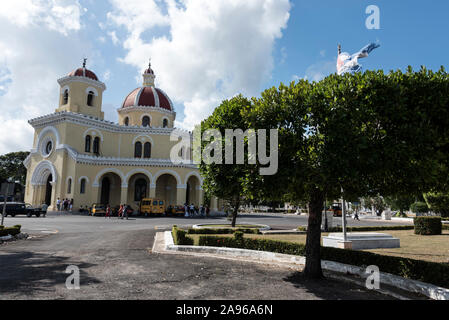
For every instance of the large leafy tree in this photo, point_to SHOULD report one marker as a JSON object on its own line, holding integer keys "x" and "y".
{"x": 11, "y": 166}
{"x": 438, "y": 202}
{"x": 352, "y": 135}
{"x": 226, "y": 181}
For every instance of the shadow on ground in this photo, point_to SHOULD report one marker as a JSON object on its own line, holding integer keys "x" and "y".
{"x": 30, "y": 273}
{"x": 330, "y": 289}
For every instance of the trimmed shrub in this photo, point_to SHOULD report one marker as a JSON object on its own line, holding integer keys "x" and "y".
{"x": 301, "y": 228}
{"x": 180, "y": 237}
{"x": 238, "y": 236}
{"x": 223, "y": 231}
{"x": 380, "y": 228}
{"x": 10, "y": 231}
{"x": 430, "y": 272}
{"x": 419, "y": 207}
{"x": 428, "y": 226}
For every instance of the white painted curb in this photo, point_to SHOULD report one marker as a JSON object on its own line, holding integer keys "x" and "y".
{"x": 6, "y": 238}
{"x": 429, "y": 290}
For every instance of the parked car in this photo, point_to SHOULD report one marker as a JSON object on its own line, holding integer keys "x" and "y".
{"x": 19, "y": 208}
{"x": 98, "y": 209}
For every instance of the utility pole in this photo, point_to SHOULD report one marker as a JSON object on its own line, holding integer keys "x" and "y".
{"x": 343, "y": 214}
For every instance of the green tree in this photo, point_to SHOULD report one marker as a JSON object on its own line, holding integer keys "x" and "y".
{"x": 438, "y": 202}
{"x": 226, "y": 181}
{"x": 11, "y": 166}
{"x": 400, "y": 202}
{"x": 365, "y": 134}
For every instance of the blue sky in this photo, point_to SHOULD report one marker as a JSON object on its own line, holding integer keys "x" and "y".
{"x": 202, "y": 51}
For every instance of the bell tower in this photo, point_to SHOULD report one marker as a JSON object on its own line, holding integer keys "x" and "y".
{"x": 81, "y": 92}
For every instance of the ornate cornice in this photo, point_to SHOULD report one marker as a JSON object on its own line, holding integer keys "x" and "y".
{"x": 146, "y": 109}
{"x": 115, "y": 161}
{"x": 96, "y": 123}
{"x": 68, "y": 79}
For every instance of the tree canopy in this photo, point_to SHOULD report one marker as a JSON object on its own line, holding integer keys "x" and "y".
{"x": 366, "y": 134}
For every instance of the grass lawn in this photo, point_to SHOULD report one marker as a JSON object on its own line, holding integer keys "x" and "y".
{"x": 428, "y": 248}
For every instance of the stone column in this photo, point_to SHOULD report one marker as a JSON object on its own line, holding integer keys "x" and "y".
{"x": 214, "y": 204}
{"x": 52, "y": 206}
{"x": 181, "y": 194}
{"x": 200, "y": 196}
{"x": 152, "y": 191}
{"x": 124, "y": 194}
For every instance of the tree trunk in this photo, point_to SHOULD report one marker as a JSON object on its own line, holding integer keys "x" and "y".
{"x": 235, "y": 212}
{"x": 313, "y": 242}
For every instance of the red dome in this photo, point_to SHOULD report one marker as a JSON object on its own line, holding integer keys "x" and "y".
{"x": 83, "y": 72}
{"x": 148, "y": 97}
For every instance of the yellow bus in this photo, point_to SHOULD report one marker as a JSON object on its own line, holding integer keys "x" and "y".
{"x": 149, "y": 207}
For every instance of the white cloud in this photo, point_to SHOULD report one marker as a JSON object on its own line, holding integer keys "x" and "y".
{"x": 320, "y": 70}
{"x": 59, "y": 15}
{"x": 114, "y": 38}
{"x": 34, "y": 53}
{"x": 106, "y": 75}
{"x": 213, "y": 49}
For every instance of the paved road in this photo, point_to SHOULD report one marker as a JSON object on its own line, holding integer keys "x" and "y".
{"x": 116, "y": 262}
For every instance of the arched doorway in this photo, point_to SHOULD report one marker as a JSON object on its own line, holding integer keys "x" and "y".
{"x": 105, "y": 190}
{"x": 193, "y": 192}
{"x": 48, "y": 190}
{"x": 166, "y": 189}
{"x": 110, "y": 189}
{"x": 138, "y": 189}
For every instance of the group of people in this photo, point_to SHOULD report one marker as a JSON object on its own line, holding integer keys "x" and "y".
{"x": 121, "y": 213}
{"x": 64, "y": 205}
{"x": 192, "y": 211}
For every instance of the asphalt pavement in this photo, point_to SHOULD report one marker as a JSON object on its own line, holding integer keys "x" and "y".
{"x": 115, "y": 262}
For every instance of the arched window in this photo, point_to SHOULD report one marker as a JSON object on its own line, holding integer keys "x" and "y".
{"x": 146, "y": 121}
{"x": 96, "y": 146}
{"x": 140, "y": 189}
{"x": 147, "y": 150}
{"x": 165, "y": 123}
{"x": 90, "y": 98}
{"x": 66, "y": 96}
{"x": 83, "y": 186}
{"x": 138, "y": 150}
{"x": 126, "y": 121}
{"x": 87, "y": 144}
{"x": 48, "y": 147}
{"x": 69, "y": 186}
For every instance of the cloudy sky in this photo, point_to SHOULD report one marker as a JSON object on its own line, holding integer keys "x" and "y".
{"x": 203, "y": 51}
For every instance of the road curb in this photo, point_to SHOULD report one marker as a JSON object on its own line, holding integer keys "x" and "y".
{"x": 414, "y": 286}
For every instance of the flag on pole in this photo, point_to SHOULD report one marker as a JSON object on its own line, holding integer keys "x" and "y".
{"x": 347, "y": 63}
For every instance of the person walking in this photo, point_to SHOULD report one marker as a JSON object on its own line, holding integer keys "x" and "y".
{"x": 202, "y": 210}
{"x": 108, "y": 212}
{"x": 71, "y": 204}
{"x": 186, "y": 209}
{"x": 125, "y": 210}
{"x": 192, "y": 210}
{"x": 58, "y": 204}
{"x": 120, "y": 212}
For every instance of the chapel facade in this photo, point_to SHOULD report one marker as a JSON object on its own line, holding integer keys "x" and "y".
{"x": 79, "y": 155}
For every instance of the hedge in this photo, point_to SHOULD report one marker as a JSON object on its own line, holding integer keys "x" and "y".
{"x": 430, "y": 272}
{"x": 380, "y": 228}
{"x": 223, "y": 231}
{"x": 180, "y": 237}
{"x": 15, "y": 230}
{"x": 428, "y": 225}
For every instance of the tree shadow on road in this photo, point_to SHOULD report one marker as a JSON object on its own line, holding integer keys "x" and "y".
{"x": 330, "y": 289}
{"x": 28, "y": 273}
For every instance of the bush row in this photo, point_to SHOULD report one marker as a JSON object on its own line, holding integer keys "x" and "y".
{"x": 15, "y": 230}
{"x": 428, "y": 225}
{"x": 180, "y": 237}
{"x": 430, "y": 272}
{"x": 223, "y": 231}
{"x": 380, "y": 228}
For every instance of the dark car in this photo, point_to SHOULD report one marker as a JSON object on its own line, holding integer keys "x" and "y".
{"x": 18, "y": 208}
